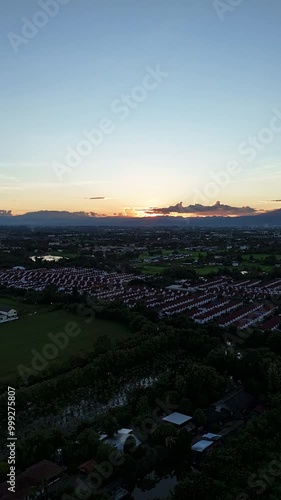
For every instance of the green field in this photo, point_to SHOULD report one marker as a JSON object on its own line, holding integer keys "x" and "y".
{"x": 19, "y": 337}
{"x": 202, "y": 271}
{"x": 150, "y": 269}
{"x": 67, "y": 255}
{"x": 259, "y": 256}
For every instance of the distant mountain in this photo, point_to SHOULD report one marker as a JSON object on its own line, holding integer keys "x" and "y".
{"x": 64, "y": 219}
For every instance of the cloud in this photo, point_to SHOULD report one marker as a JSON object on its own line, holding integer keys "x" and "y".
{"x": 130, "y": 212}
{"x": 203, "y": 210}
{"x": 277, "y": 201}
{"x": 96, "y": 198}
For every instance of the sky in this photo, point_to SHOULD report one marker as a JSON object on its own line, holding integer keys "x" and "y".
{"x": 140, "y": 107}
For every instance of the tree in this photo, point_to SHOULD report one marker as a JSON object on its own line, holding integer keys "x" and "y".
{"x": 163, "y": 434}
{"x": 137, "y": 323}
{"x": 199, "y": 418}
{"x": 183, "y": 445}
{"x": 89, "y": 441}
{"x": 108, "y": 424}
{"x": 199, "y": 487}
{"x": 102, "y": 345}
{"x": 274, "y": 342}
{"x": 185, "y": 406}
{"x": 274, "y": 378}
{"x": 105, "y": 452}
{"x": 130, "y": 445}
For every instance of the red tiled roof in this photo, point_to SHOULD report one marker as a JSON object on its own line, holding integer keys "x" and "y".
{"x": 87, "y": 466}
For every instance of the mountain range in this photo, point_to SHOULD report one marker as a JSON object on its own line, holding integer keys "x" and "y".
{"x": 72, "y": 219}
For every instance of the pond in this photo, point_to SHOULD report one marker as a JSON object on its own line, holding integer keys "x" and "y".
{"x": 153, "y": 486}
{"x": 47, "y": 258}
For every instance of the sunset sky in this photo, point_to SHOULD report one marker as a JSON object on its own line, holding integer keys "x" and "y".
{"x": 175, "y": 94}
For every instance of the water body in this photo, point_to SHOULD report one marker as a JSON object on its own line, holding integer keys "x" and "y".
{"x": 86, "y": 408}
{"x": 153, "y": 486}
{"x": 47, "y": 258}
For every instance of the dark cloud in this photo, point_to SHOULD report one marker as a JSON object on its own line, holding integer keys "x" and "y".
{"x": 95, "y": 214}
{"x": 203, "y": 210}
{"x": 96, "y": 198}
{"x": 277, "y": 201}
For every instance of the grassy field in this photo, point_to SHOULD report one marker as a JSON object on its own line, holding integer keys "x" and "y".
{"x": 19, "y": 337}
{"x": 202, "y": 271}
{"x": 20, "y": 306}
{"x": 67, "y": 255}
{"x": 150, "y": 269}
{"x": 259, "y": 256}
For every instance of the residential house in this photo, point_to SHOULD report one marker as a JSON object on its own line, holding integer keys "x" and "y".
{"x": 119, "y": 439}
{"x": 180, "y": 421}
{"x": 7, "y": 313}
{"x": 35, "y": 482}
{"x": 234, "y": 406}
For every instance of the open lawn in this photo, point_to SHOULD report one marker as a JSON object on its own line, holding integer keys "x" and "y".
{"x": 18, "y": 338}
{"x": 21, "y": 306}
{"x": 259, "y": 256}
{"x": 202, "y": 271}
{"x": 67, "y": 255}
{"x": 150, "y": 269}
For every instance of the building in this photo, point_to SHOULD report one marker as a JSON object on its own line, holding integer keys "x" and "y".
{"x": 200, "y": 448}
{"x": 119, "y": 439}
{"x": 234, "y": 406}
{"x": 87, "y": 467}
{"x": 202, "y": 445}
{"x": 7, "y": 314}
{"x": 180, "y": 421}
{"x": 39, "y": 479}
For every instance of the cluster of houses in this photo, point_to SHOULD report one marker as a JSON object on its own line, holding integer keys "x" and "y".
{"x": 272, "y": 324}
{"x": 227, "y": 302}
{"x": 67, "y": 279}
{"x": 165, "y": 258}
{"x": 252, "y": 289}
{"x": 248, "y": 316}
{"x": 229, "y": 414}
{"x": 46, "y": 478}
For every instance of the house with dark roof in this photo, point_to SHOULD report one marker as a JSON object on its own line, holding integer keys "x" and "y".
{"x": 37, "y": 479}
{"x": 233, "y": 406}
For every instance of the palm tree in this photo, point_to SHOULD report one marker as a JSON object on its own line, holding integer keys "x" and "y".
{"x": 170, "y": 442}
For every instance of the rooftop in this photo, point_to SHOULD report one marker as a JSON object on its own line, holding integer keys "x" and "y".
{"x": 201, "y": 445}
{"x": 34, "y": 476}
{"x": 5, "y": 308}
{"x": 87, "y": 466}
{"x": 212, "y": 437}
{"x": 177, "y": 418}
{"x": 120, "y": 438}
